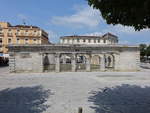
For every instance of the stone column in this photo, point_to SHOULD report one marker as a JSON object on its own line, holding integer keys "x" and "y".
{"x": 41, "y": 66}
{"x": 57, "y": 65}
{"x": 12, "y": 62}
{"x": 102, "y": 63}
{"x": 64, "y": 59}
{"x": 88, "y": 63}
{"x": 116, "y": 62}
{"x": 73, "y": 62}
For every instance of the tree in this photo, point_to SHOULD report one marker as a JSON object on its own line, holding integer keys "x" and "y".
{"x": 148, "y": 51}
{"x": 134, "y": 13}
{"x": 143, "y": 49}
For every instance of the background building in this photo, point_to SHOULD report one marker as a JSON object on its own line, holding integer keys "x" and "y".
{"x": 20, "y": 34}
{"x": 105, "y": 39}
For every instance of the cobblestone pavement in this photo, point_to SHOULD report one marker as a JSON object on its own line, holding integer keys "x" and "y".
{"x": 65, "y": 92}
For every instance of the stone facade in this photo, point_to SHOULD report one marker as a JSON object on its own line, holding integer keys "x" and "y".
{"x": 60, "y": 58}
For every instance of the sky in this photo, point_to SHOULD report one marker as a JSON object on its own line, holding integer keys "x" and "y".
{"x": 67, "y": 17}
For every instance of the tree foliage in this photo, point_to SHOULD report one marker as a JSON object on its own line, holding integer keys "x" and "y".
{"x": 148, "y": 51}
{"x": 135, "y": 13}
{"x": 144, "y": 51}
{"x": 143, "y": 48}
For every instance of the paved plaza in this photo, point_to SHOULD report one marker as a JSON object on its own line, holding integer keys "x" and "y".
{"x": 95, "y": 92}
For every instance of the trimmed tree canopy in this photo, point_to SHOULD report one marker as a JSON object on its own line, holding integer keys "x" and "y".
{"x": 135, "y": 13}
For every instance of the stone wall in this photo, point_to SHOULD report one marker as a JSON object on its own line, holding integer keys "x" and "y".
{"x": 129, "y": 60}
{"x": 26, "y": 62}
{"x": 40, "y": 58}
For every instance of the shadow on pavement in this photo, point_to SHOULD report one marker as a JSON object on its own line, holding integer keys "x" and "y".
{"x": 24, "y": 100}
{"x": 121, "y": 99}
{"x": 145, "y": 67}
{"x": 4, "y": 65}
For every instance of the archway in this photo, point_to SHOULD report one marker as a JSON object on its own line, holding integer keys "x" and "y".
{"x": 81, "y": 62}
{"x": 65, "y": 62}
{"x": 95, "y": 63}
{"x": 48, "y": 62}
{"x": 109, "y": 61}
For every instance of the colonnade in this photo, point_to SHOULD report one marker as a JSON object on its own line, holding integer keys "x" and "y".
{"x": 102, "y": 63}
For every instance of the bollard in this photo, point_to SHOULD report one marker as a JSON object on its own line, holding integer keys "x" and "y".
{"x": 80, "y": 110}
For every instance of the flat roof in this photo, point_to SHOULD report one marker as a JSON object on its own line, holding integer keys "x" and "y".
{"x": 80, "y": 36}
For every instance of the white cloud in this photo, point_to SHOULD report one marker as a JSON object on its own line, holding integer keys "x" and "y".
{"x": 120, "y": 29}
{"x": 53, "y": 37}
{"x": 88, "y": 18}
{"x": 83, "y": 17}
{"x": 124, "y": 42}
{"x": 22, "y": 17}
{"x": 94, "y": 34}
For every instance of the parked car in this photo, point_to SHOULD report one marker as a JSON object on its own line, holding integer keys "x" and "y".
{"x": 4, "y": 60}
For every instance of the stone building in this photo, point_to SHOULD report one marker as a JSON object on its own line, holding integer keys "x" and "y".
{"x": 61, "y": 58}
{"x": 75, "y": 53}
{"x": 105, "y": 39}
{"x": 20, "y": 34}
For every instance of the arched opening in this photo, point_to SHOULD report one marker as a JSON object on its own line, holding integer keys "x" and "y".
{"x": 48, "y": 62}
{"x": 109, "y": 61}
{"x": 65, "y": 62}
{"x": 81, "y": 62}
{"x": 95, "y": 63}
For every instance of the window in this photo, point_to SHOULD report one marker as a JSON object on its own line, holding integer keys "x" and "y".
{"x": 83, "y": 40}
{"x": 1, "y": 31}
{"x": 1, "y": 41}
{"x": 26, "y": 41}
{"x": 104, "y": 41}
{"x": 18, "y": 32}
{"x": 9, "y": 41}
{"x": 35, "y": 33}
{"x": 78, "y": 40}
{"x": 34, "y": 41}
{"x": 95, "y": 41}
{"x": 26, "y": 33}
{"x": 18, "y": 40}
{"x": 9, "y": 32}
{"x": 89, "y": 40}
{"x": 98, "y": 40}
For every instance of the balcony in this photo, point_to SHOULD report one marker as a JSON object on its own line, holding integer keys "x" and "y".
{"x": 28, "y": 34}
{"x": 10, "y": 34}
{"x": 1, "y": 50}
{"x": 1, "y": 34}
